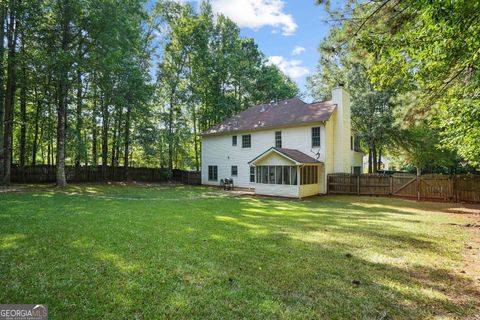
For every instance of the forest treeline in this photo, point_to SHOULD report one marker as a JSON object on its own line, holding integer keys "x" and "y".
{"x": 121, "y": 83}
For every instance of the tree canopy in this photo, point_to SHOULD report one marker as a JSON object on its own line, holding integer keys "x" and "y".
{"x": 121, "y": 83}
{"x": 427, "y": 52}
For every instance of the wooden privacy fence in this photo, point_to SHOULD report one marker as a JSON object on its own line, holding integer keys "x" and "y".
{"x": 47, "y": 174}
{"x": 187, "y": 177}
{"x": 426, "y": 187}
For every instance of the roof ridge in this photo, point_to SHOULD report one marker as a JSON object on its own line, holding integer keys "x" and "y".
{"x": 270, "y": 103}
{"x": 314, "y": 102}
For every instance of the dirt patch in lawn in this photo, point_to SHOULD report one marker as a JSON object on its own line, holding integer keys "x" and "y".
{"x": 15, "y": 188}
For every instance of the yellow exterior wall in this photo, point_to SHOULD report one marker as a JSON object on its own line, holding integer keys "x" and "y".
{"x": 341, "y": 131}
{"x": 357, "y": 159}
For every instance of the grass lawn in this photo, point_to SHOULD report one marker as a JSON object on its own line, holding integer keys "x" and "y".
{"x": 114, "y": 252}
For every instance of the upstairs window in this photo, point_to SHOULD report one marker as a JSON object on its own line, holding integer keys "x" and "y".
{"x": 316, "y": 137}
{"x": 278, "y": 139}
{"x": 234, "y": 141}
{"x": 212, "y": 173}
{"x": 234, "y": 171}
{"x": 246, "y": 141}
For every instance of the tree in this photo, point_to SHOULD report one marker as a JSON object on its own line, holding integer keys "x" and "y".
{"x": 3, "y": 12}
{"x": 430, "y": 48}
{"x": 12, "y": 36}
{"x": 372, "y": 110}
{"x": 419, "y": 146}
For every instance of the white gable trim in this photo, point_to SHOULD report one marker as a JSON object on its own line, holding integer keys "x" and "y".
{"x": 267, "y": 153}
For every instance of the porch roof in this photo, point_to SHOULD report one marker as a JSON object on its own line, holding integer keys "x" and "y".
{"x": 294, "y": 155}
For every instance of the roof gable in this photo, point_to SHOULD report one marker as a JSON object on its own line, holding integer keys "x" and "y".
{"x": 293, "y": 155}
{"x": 284, "y": 113}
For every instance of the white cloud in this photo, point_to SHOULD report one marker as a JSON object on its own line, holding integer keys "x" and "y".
{"x": 255, "y": 14}
{"x": 297, "y": 50}
{"x": 291, "y": 68}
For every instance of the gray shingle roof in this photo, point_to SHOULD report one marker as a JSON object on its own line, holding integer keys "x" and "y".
{"x": 283, "y": 113}
{"x": 297, "y": 155}
{"x": 293, "y": 154}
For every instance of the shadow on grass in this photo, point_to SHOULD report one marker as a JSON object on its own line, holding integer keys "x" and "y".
{"x": 225, "y": 258}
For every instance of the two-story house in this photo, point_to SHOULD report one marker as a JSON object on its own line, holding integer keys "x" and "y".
{"x": 285, "y": 148}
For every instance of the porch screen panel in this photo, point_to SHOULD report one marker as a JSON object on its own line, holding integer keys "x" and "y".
{"x": 278, "y": 175}
{"x": 293, "y": 176}
{"x": 286, "y": 174}
{"x": 264, "y": 174}
{"x": 271, "y": 174}
{"x": 309, "y": 175}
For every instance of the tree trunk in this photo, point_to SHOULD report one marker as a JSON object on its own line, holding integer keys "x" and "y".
{"x": 379, "y": 162}
{"x": 370, "y": 160}
{"x": 94, "y": 145}
{"x": 170, "y": 137}
{"x": 117, "y": 142}
{"x": 115, "y": 137}
{"x": 61, "y": 179}
{"x": 78, "y": 113}
{"x": 94, "y": 126}
{"x": 374, "y": 157}
{"x": 50, "y": 137}
{"x": 42, "y": 151}
{"x": 195, "y": 140}
{"x": 23, "y": 125}
{"x": 48, "y": 152}
{"x": 35, "y": 134}
{"x": 10, "y": 93}
{"x": 105, "y": 120}
{"x": 62, "y": 105}
{"x": 127, "y": 140}
{"x": 23, "y": 114}
{"x": 162, "y": 158}
{"x": 114, "y": 145}
{"x": 2, "y": 90}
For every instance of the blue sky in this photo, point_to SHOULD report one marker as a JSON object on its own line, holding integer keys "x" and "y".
{"x": 294, "y": 52}
{"x": 288, "y": 32}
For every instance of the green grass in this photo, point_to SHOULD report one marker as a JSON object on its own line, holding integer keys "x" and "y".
{"x": 119, "y": 252}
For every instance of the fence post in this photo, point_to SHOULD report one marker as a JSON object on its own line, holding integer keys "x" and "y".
{"x": 390, "y": 183}
{"x": 454, "y": 188}
{"x": 418, "y": 187}
{"x": 358, "y": 185}
{"x": 450, "y": 188}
